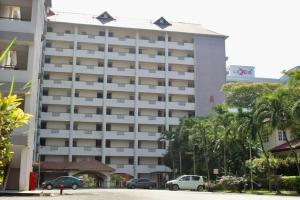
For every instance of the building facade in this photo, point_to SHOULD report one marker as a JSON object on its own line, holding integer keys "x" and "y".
{"x": 23, "y": 20}
{"x": 111, "y": 87}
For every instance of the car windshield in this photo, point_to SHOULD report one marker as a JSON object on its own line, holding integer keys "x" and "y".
{"x": 179, "y": 177}
{"x": 133, "y": 180}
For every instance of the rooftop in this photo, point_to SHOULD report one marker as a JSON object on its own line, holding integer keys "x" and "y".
{"x": 144, "y": 24}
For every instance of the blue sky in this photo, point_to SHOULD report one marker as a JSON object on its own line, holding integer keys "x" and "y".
{"x": 262, "y": 33}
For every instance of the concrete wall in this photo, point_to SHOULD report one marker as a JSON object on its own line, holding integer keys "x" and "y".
{"x": 210, "y": 72}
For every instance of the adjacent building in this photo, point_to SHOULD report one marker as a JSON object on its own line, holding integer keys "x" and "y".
{"x": 23, "y": 20}
{"x": 110, "y": 87}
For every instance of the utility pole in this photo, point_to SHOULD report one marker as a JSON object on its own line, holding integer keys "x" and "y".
{"x": 180, "y": 163}
{"x": 194, "y": 161}
{"x": 251, "y": 173}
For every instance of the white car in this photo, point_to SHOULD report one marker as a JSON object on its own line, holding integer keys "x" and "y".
{"x": 186, "y": 182}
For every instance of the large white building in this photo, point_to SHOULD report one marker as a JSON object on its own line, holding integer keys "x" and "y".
{"x": 112, "y": 86}
{"x": 24, "y": 20}
{"x": 105, "y": 89}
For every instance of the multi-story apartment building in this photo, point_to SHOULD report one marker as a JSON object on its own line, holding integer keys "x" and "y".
{"x": 23, "y": 20}
{"x": 111, "y": 87}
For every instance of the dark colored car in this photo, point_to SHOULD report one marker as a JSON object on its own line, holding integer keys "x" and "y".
{"x": 140, "y": 183}
{"x": 66, "y": 181}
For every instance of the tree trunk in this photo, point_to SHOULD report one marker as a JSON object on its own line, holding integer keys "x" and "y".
{"x": 293, "y": 151}
{"x": 267, "y": 158}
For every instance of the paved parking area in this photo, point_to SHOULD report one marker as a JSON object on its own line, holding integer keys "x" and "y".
{"x": 140, "y": 194}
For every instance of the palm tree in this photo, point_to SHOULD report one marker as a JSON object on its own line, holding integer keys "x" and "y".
{"x": 224, "y": 121}
{"x": 275, "y": 109}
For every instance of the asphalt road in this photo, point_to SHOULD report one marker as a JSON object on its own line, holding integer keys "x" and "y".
{"x": 140, "y": 194}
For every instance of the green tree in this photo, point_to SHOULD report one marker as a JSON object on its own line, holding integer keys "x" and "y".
{"x": 11, "y": 117}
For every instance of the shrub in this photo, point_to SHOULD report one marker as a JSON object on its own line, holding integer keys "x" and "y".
{"x": 291, "y": 183}
{"x": 232, "y": 183}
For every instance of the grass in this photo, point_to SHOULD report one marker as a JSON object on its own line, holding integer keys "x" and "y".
{"x": 264, "y": 192}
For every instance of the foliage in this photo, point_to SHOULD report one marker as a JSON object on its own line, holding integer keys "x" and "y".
{"x": 260, "y": 165}
{"x": 290, "y": 183}
{"x": 11, "y": 117}
{"x": 232, "y": 183}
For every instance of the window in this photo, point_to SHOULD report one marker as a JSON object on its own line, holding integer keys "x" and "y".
{"x": 43, "y": 125}
{"x": 47, "y": 60}
{"x": 98, "y": 127}
{"x": 48, "y": 44}
{"x": 110, "y": 34}
{"x": 161, "y": 38}
{"x": 107, "y": 160}
{"x": 99, "y": 111}
{"x": 281, "y": 135}
{"x": 42, "y": 142}
{"x": 100, "y": 64}
{"x": 109, "y": 64}
{"x": 130, "y": 160}
{"x": 101, "y": 48}
{"x": 109, "y": 95}
{"x": 101, "y": 33}
{"x": 108, "y": 111}
{"x": 74, "y": 143}
{"x": 195, "y": 178}
{"x": 66, "y": 143}
{"x": 110, "y": 49}
{"x": 108, "y": 127}
{"x": 100, "y": 79}
{"x": 131, "y": 50}
{"x": 98, "y": 143}
{"x": 160, "y": 52}
{"x": 107, "y": 143}
{"x": 131, "y": 112}
{"x": 140, "y": 51}
{"x": 185, "y": 178}
{"x": 42, "y": 158}
{"x": 131, "y": 128}
{"x": 160, "y": 67}
{"x": 10, "y": 61}
{"x": 68, "y": 32}
{"x": 75, "y": 126}
{"x": 99, "y": 95}
{"x": 49, "y": 29}
{"x": 265, "y": 137}
{"x": 44, "y": 108}
{"x": 98, "y": 158}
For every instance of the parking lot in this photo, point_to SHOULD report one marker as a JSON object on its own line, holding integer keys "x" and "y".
{"x": 141, "y": 194}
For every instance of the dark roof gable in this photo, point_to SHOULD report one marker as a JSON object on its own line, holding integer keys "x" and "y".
{"x": 162, "y": 23}
{"x": 105, "y": 18}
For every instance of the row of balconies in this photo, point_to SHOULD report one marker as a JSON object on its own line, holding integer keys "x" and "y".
{"x": 94, "y": 151}
{"x": 129, "y": 169}
{"x": 55, "y": 116}
{"x": 143, "y": 41}
{"x": 122, "y": 103}
{"x": 118, "y": 71}
{"x": 152, "y": 58}
{"x": 122, "y": 87}
{"x": 89, "y": 134}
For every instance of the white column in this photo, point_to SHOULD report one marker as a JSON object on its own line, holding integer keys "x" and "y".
{"x": 25, "y": 168}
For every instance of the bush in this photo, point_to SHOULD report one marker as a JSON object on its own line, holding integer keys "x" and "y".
{"x": 232, "y": 183}
{"x": 290, "y": 183}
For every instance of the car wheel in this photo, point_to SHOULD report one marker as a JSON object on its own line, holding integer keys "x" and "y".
{"x": 175, "y": 187}
{"x": 200, "y": 188}
{"x": 49, "y": 187}
{"x": 132, "y": 187}
{"x": 74, "y": 186}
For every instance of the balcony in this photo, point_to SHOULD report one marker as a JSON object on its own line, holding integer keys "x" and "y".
{"x": 151, "y": 120}
{"x": 184, "y": 60}
{"x": 121, "y": 56}
{"x": 91, "y": 39}
{"x": 151, "y": 89}
{"x": 121, "y": 103}
{"x": 56, "y": 100}
{"x": 90, "y": 54}
{"x": 151, "y": 104}
{"x": 87, "y": 117}
{"x": 181, "y": 90}
{"x": 87, "y": 101}
{"x": 57, "y": 84}
{"x": 88, "y": 69}
{"x": 121, "y": 41}
{"x": 181, "y": 75}
{"x": 55, "y": 116}
{"x": 119, "y": 151}
{"x": 120, "y": 119}
{"x": 54, "y": 133}
{"x": 181, "y": 45}
{"x": 152, "y": 168}
{"x": 120, "y": 71}
{"x": 18, "y": 26}
{"x": 86, "y": 151}
{"x": 151, "y": 152}
{"x": 150, "y": 136}
{"x": 181, "y": 105}
{"x": 151, "y": 43}
{"x": 60, "y": 36}
{"x": 120, "y": 168}
{"x": 88, "y": 85}
{"x": 53, "y": 150}
{"x": 174, "y": 120}
{"x": 119, "y": 135}
{"x": 59, "y": 52}
{"x": 87, "y": 134}
{"x": 58, "y": 68}
{"x": 151, "y": 58}
{"x": 122, "y": 87}
{"x": 151, "y": 73}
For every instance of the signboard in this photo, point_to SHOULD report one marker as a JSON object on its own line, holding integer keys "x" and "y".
{"x": 241, "y": 71}
{"x": 216, "y": 171}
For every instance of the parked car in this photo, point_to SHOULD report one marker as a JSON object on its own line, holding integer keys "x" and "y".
{"x": 186, "y": 182}
{"x": 66, "y": 181}
{"x": 140, "y": 183}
